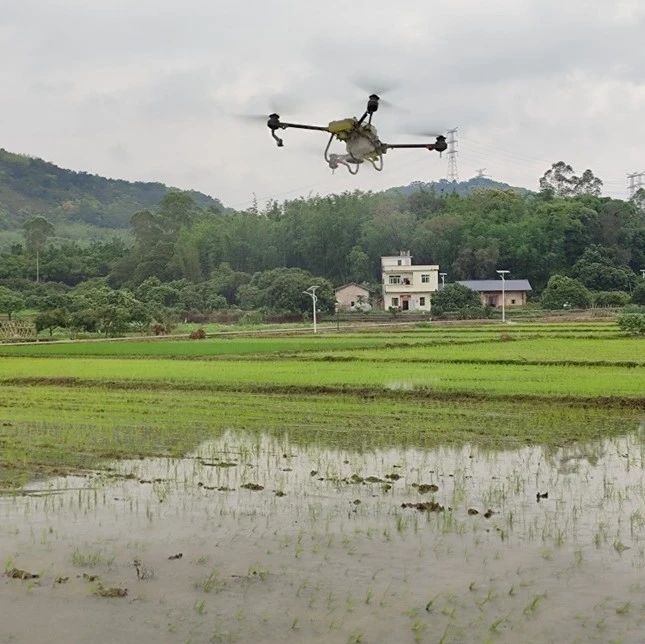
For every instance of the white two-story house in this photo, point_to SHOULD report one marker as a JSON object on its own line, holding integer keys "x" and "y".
{"x": 407, "y": 287}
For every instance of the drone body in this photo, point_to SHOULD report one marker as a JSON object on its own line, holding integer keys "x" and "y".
{"x": 359, "y": 136}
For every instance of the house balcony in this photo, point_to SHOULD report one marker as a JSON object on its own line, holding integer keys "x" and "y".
{"x": 408, "y": 288}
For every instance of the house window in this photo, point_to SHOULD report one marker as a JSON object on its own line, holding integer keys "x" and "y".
{"x": 351, "y": 303}
{"x": 395, "y": 279}
{"x": 422, "y": 301}
{"x": 425, "y": 278}
{"x": 395, "y": 301}
{"x": 398, "y": 262}
{"x": 512, "y": 301}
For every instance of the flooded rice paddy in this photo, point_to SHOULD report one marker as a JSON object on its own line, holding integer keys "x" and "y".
{"x": 254, "y": 539}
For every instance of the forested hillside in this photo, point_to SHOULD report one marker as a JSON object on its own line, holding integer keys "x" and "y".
{"x": 30, "y": 186}
{"x": 462, "y": 188}
{"x": 181, "y": 257}
{"x": 342, "y": 237}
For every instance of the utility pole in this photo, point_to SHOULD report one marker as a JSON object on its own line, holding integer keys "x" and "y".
{"x": 636, "y": 182}
{"x": 453, "y": 173}
{"x": 443, "y": 280}
{"x": 311, "y": 292}
{"x": 503, "y": 275}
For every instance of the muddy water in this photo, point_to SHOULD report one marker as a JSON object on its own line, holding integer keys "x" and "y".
{"x": 285, "y": 543}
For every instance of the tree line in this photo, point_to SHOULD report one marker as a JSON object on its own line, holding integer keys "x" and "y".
{"x": 193, "y": 258}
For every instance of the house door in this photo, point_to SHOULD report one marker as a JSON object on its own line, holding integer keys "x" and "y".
{"x": 405, "y": 305}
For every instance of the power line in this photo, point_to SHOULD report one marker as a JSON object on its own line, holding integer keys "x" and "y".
{"x": 453, "y": 173}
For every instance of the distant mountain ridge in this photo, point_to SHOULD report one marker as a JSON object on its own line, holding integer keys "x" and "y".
{"x": 30, "y": 186}
{"x": 85, "y": 206}
{"x": 445, "y": 187}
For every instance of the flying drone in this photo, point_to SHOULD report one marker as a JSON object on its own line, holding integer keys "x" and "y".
{"x": 359, "y": 136}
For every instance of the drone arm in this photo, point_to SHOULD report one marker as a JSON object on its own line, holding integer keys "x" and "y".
{"x": 392, "y": 146}
{"x": 301, "y": 126}
{"x": 274, "y": 124}
{"x": 439, "y": 145}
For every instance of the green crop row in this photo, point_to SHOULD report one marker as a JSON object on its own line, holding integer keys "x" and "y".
{"x": 579, "y": 381}
{"x": 616, "y": 350}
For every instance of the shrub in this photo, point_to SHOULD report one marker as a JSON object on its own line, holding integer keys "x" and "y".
{"x": 610, "y": 298}
{"x": 632, "y": 323}
{"x": 565, "y": 292}
{"x": 634, "y": 308}
{"x": 10, "y": 301}
{"x": 473, "y": 312}
{"x": 158, "y": 328}
{"x": 198, "y": 334}
{"x": 456, "y": 297}
{"x": 53, "y": 319}
{"x": 638, "y": 294}
{"x": 252, "y": 317}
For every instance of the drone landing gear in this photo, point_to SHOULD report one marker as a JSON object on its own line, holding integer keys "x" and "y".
{"x": 347, "y": 160}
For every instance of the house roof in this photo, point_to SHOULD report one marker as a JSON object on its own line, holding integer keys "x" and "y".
{"x": 340, "y": 288}
{"x": 488, "y": 286}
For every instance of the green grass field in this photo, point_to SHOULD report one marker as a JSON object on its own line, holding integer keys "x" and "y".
{"x": 569, "y": 350}
{"x": 275, "y": 374}
{"x": 66, "y": 406}
{"x": 229, "y": 345}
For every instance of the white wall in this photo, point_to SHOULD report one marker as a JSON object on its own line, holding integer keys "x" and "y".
{"x": 414, "y": 291}
{"x": 393, "y": 261}
{"x": 345, "y": 297}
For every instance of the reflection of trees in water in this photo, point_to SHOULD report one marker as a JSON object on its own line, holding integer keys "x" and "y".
{"x": 567, "y": 459}
{"x": 570, "y": 459}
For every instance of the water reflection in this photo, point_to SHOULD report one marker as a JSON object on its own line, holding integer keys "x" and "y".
{"x": 311, "y": 543}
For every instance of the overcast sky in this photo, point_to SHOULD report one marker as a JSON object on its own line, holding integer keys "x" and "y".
{"x": 148, "y": 90}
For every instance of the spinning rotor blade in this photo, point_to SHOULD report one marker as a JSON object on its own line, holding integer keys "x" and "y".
{"x": 256, "y": 118}
{"x": 380, "y": 87}
{"x": 426, "y": 132}
{"x": 374, "y": 85}
{"x": 274, "y": 104}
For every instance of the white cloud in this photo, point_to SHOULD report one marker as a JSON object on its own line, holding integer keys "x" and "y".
{"x": 146, "y": 90}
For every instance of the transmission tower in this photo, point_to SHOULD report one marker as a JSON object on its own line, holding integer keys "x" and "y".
{"x": 636, "y": 182}
{"x": 481, "y": 173}
{"x": 453, "y": 173}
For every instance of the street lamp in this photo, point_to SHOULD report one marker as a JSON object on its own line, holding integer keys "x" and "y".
{"x": 503, "y": 275}
{"x": 311, "y": 292}
{"x": 443, "y": 279}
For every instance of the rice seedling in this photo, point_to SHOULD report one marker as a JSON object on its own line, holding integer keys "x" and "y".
{"x": 149, "y": 454}
{"x": 91, "y": 558}
{"x": 211, "y": 583}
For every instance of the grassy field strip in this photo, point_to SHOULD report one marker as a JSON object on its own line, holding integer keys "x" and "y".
{"x": 237, "y": 346}
{"x": 543, "y": 350}
{"x": 363, "y": 331}
{"x": 263, "y": 331}
{"x": 244, "y": 346}
{"x": 494, "y": 379}
{"x": 47, "y": 430}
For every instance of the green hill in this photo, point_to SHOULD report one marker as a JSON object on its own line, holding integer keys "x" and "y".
{"x": 79, "y": 204}
{"x": 462, "y": 188}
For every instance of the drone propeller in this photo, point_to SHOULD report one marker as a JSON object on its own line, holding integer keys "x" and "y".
{"x": 259, "y": 118}
{"x": 372, "y": 85}
{"x": 426, "y": 132}
{"x": 275, "y": 104}
{"x": 379, "y": 87}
